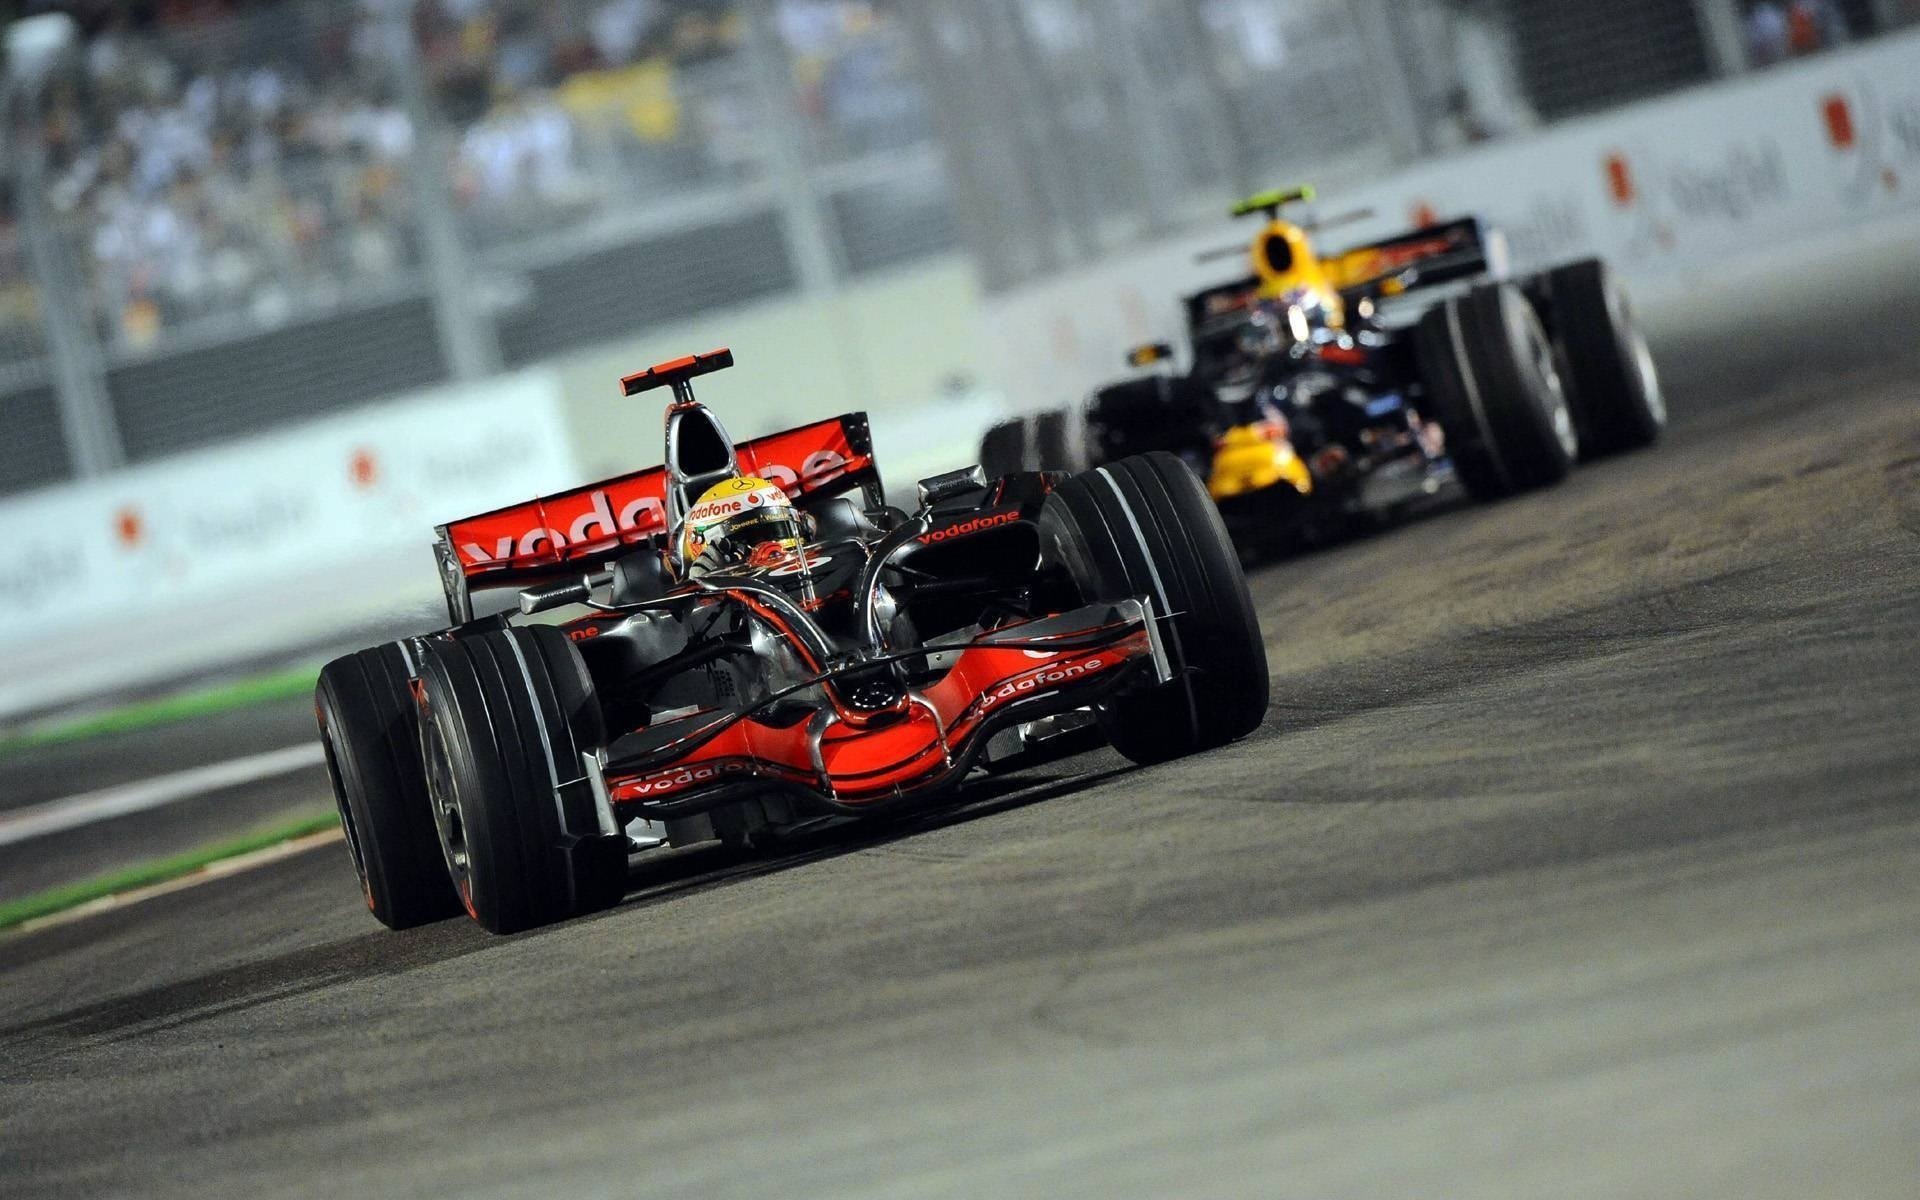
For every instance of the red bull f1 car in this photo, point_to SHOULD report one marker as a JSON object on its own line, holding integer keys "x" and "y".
{"x": 746, "y": 641}
{"x": 1326, "y": 392}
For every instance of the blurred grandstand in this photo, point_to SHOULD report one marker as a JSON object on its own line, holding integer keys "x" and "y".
{"x": 224, "y": 216}
{"x": 265, "y": 206}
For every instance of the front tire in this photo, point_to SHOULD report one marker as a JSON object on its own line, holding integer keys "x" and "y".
{"x": 1145, "y": 526}
{"x": 1496, "y": 390}
{"x": 368, "y": 730}
{"x": 508, "y": 715}
{"x": 1612, "y": 383}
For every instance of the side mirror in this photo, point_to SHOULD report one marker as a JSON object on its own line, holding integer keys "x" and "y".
{"x": 1149, "y": 354}
{"x": 936, "y": 488}
{"x": 559, "y": 595}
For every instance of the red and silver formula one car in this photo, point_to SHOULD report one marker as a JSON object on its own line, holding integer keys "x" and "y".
{"x": 747, "y": 641}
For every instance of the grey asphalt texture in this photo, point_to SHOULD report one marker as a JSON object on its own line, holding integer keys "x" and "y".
{"x": 1579, "y": 856}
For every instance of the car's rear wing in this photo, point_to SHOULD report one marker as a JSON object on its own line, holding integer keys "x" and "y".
{"x": 1427, "y": 257}
{"x": 1237, "y": 296}
{"x": 578, "y": 531}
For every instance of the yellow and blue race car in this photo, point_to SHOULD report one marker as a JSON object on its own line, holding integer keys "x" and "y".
{"x": 1325, "y": 392}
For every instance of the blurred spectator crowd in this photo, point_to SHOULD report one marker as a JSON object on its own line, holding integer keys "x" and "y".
{"x": 1781, "y": 29}
{"x": 225, "y": 161}
{"x": 19, "y": 304}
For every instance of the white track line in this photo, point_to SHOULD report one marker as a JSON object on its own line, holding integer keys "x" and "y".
{"x": 53, "y": 816}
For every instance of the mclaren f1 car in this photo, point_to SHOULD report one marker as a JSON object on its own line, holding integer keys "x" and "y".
{"x": 1328, "y": 392}
{"x": 746, "y": 642}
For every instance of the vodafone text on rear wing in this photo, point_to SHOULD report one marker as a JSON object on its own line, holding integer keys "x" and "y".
{"x": 580, "y": 530}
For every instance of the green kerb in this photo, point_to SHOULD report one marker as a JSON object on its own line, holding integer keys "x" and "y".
{"x": 72, "y": 895}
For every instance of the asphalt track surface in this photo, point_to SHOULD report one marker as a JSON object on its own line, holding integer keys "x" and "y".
{"x": 1579, "y": 856}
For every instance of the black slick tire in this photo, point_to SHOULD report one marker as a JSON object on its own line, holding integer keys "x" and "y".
{"x": 368, "y": 729}
{"x": 1144, "y": 526}
{"x": 1494, "y": 385}
{"x": 1055, "y": 446}
{"x": 507, "y": 716}
{"x": 1003, "y": 449}
{"x": 1611, "y": 380}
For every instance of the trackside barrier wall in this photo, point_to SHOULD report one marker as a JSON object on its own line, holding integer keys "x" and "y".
{"x": 262, "y": 543}
{"x": 1667, "y": 190}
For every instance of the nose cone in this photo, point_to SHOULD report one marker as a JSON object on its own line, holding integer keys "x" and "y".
{"x": 1249, "y": 458}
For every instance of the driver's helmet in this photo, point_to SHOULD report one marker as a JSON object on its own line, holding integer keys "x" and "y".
{"x": 742, "y": 521}
{"x": 1310, "y": 311}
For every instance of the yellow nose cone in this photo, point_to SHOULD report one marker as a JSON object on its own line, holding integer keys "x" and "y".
{"x": 1250, "y": 458}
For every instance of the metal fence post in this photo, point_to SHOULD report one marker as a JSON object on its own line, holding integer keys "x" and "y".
{"x": 1233, "y": 125}
{"x": 1725, "y": 36}
{"x": 1152, "y": 151}
{"x": 1035, "y": 119}
{"x": 468, "y": 338}
{"x": 998, "y": 246}
{"x": 73, "y": 344}
{"x": 1391, "y": 82}
{"x": 1889, "y": 15}
{"x": 818, "y": 258}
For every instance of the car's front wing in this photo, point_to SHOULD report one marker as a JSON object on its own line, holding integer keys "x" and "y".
{"x": 846, "y": 760}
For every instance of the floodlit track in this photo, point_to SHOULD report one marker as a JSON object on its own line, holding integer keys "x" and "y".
{"x": 1580, "y": 856}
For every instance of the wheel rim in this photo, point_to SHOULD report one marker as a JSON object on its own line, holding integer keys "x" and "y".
{"x": 448, "y": 823}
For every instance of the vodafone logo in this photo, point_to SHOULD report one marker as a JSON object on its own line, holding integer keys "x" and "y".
{"x": 967, "y": 528}
{"x": 716, "y": 508}
{"x": 709, "y": 511}
{"x": 599, "y": 528}
{"x": 603, "y": 526}
{"x": 1045, "y": 677}
{"x": 673, "y": 779}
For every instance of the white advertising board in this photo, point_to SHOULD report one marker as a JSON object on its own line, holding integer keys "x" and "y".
{"x": 257, "y": 541}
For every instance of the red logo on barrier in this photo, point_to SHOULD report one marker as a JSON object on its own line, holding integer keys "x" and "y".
{"x": 1839, "y": 118}
{"x": 129, "y": 527}
{"x": 364, "y": 469}
{"x": 1620, "y": 180}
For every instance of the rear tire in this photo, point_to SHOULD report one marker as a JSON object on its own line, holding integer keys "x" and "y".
{"x": 1145, "y": 526}
{"x": 1611, "y": 380}
{"x": 1135, "y": 416}
{"x": 508, "y": 715}
{"x": 1055, "y": 446}
{"x": 1003, "y": 449}
{"x": 1496, "y": 391}
{"x": 369, "y": 732}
